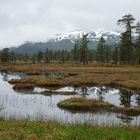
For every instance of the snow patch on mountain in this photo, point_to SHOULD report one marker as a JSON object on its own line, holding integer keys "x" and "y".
{"x": 92, "y": 36}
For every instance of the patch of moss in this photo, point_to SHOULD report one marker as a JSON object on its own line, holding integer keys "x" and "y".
{"x": 90, "y": 105}
{"x": 82, "y": 104}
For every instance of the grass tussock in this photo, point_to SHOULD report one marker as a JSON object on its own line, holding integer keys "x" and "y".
{"x": 77, "y": 75}
{"x": 91, "y": 105}
{"x": 82, "y": 102}
{"x": 130, "y": 81}
{"x": 37, "y": 68}
{"x": 27, "y": 130}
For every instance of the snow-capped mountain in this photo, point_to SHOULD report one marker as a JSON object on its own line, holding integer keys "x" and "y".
{"x": 66, "y": 41}
{"x": 111, "y": 36}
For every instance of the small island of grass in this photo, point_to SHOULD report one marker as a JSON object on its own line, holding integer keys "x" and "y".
{"x": 82, "y": 104}
{"x": 92, "y": 105}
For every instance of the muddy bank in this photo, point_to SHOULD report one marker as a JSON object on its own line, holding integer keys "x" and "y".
{"x": 21, "y": 86}
{"x": 50, "y": 93}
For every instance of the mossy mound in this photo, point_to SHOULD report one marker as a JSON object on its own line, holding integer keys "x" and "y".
{"x": 81, "y": 104}
{"x": 90, "y": 105}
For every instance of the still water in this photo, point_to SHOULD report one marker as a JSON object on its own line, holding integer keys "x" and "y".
{"x": 35, "y": 106}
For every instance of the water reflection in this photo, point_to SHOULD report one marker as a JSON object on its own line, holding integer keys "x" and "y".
{"x": 125, "y": 119}
{"x": 138, "y": 100}
{"x": 101, "y": 92}
{"x": 125, "y": 98}
{"x": 34, "y": 106}
{"x": 84, "y": 91}
{"x": 6, "y": 76}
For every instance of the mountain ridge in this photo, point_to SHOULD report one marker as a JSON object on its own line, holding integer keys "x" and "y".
{"x": 66, "y": 41}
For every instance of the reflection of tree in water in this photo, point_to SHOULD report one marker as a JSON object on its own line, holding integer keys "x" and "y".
{"x": 125, "y": 118}
{"x": 84, "y": 91}
{"x": 125, "y": 100}
{"x": 101, "y": 91}
{"x": 75, "y": 89}
{"x": 138, "y": 100}
{"x": 5, "y": 76}
{"x": 1, "y": 108}
{"x": 125, "y": 97}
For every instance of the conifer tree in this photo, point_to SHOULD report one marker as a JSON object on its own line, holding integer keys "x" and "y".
{"x": 39, "y": 57}
{"x": 124, "y": 48}
{"x": 5, "y": 55}
{"x": 138, "y": 44}
{"x": 75, "y": 52}
{"x": 100, "y": 50}
{"x": 127, "y": 21}
{"x": 47, "y": 56}
{"x": 84, "y": 49}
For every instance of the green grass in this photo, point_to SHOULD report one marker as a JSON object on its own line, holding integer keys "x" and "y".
{"x": 27, "y": 130}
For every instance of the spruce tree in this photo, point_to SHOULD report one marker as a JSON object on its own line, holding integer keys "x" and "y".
{"x": 75, "y": 52}
{"x": 100, "y": 50}
{"x": 39, "y": 57}
{"x": 124, "y": 48}
{"x": 127, "y": 21}
{"x": 47, "y": 56}
{"x": 138, "y": 44}
{"x": 84, "y": 49}
{"x": 5, "y": 57}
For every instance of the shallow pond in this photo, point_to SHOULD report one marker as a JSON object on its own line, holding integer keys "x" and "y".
{"x": 35, "y": 106}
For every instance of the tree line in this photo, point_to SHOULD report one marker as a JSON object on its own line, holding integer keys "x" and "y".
{"x": 126, "y": 52}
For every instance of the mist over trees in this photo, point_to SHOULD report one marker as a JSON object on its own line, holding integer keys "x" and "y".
{"x": 127, "y": 52}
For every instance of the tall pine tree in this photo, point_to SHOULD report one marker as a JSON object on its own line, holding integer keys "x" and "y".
{"x": 127, "y": 21}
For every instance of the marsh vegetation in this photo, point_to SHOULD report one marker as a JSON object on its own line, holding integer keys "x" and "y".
{"x": 34, "y": 104}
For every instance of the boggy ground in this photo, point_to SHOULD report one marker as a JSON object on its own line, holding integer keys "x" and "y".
{"x": 77, "y": 75}
{"x": 92, "y": 105}
{"x": 30, "y": 130}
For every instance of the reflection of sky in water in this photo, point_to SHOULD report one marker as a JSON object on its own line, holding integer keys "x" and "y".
{"x": 107, "y": 94}
{"x": 39, "y": 107}
{"x": 15, "y": 75}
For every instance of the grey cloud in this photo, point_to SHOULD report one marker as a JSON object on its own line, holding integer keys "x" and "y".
{"x": 37, "y": 20}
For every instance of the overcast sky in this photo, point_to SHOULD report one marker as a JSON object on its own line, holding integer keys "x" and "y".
{"x": 37, "y": 20}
